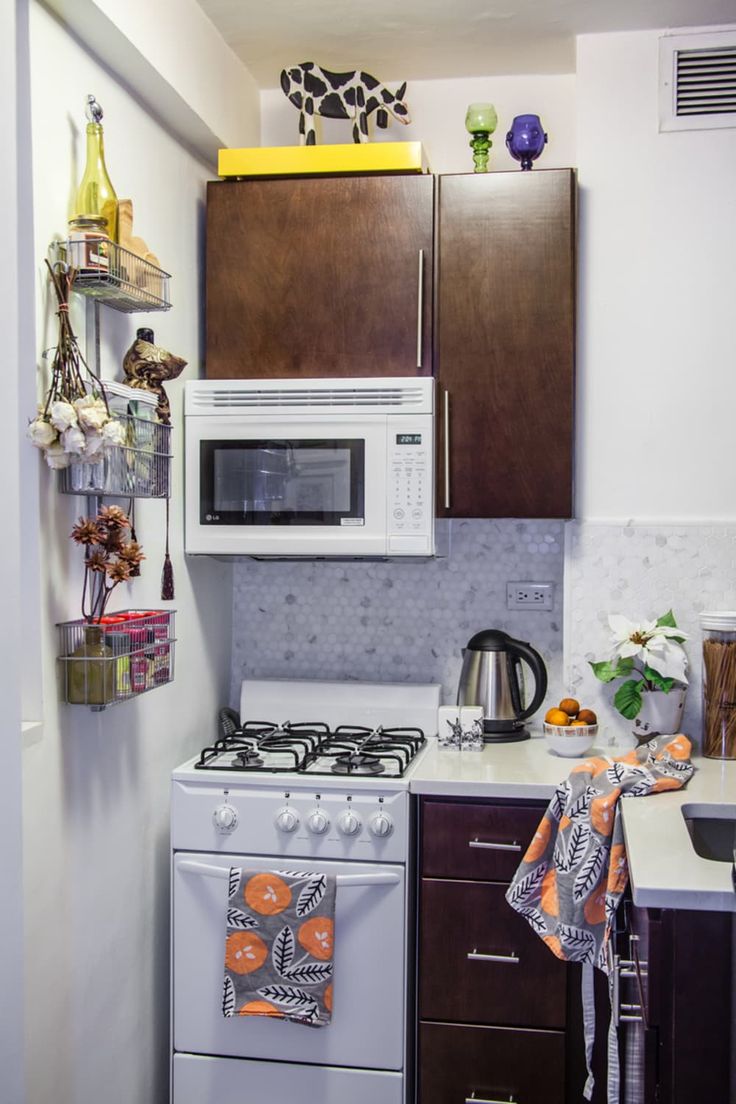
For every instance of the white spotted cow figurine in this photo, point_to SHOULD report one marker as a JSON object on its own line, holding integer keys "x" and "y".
{"x": 353, "y": 95}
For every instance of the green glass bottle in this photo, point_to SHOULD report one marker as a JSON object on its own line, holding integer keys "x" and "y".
{"x": 96, "y": 196}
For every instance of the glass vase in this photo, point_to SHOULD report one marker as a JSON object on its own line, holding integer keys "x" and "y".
{"x": 90, "y": 671}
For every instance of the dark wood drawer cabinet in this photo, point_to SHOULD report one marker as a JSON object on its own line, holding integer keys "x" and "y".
{"x": 493, "y": 1000}
{"x": 505, "y": 343}
{"x": 475, "y": 840}
{"x": 481, "y": 963}
{"x": 460, "y": 1064}
{"x": 325, "y": 276}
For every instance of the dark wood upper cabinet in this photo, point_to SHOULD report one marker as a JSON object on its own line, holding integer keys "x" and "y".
{"x": 327, "y": 276}
{"x": 505, "y": 343}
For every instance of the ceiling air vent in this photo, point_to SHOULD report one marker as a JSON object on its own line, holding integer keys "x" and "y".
{"x": 697, "y": 81}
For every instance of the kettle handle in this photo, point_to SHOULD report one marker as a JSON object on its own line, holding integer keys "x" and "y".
{"x": 535, "y": 661}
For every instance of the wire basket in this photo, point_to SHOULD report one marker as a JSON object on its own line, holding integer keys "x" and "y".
{"x": 120, "y": 279}
{"x": 140, "y": 468}
{"x": 124, "y": 655}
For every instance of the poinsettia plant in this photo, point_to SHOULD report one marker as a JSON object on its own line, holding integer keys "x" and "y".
{"x": 648, "y": 655}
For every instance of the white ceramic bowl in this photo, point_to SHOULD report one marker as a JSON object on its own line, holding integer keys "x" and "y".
{"x": 570, "y": 740}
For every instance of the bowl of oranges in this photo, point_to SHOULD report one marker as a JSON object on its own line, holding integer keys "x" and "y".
{"x": 570, "y": 730}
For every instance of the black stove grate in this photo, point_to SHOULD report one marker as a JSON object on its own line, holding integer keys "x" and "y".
{"x": 265, "y": 747}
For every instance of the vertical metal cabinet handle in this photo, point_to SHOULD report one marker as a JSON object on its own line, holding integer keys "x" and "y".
{"x": 446, "y": 396}
{"x": 420, "y": 308}
{"x": 491, "y": 846}
{"x": 477, "y": 956}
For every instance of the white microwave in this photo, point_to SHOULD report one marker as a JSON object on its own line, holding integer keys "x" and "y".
{"x": 309, "y": 467}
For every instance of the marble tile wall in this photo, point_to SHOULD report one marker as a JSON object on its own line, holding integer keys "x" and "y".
{"x": 396, "y": 622}
{"x": 641, "y": 571}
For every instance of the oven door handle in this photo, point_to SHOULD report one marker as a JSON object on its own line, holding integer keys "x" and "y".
{"x": 343, "y": 880}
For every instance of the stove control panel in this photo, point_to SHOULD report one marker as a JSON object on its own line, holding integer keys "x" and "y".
{"x": 287, "y": 819}
{"x": 371, "y": 823}
{"x": 318, "y": 822}
{"x": 225, "y": 818}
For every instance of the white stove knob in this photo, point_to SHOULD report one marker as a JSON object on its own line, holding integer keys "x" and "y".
{"x": 348, "y": 823}
{"x": 287, "y": 820}
{"x": 225, "y": 818}
{"x": 381, "y": 825}
{"x": 318, "y": 822}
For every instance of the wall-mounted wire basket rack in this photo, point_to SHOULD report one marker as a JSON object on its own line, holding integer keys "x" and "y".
{"x": 139, "y": 468}
{"x": 124, "y": 655}
{"x": 118, "y": 278}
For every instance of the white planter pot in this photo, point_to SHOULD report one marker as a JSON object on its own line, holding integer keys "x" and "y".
{"x": 661, "y": 714}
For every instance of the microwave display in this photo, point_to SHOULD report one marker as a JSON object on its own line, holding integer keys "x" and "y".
{"x": 408, "y": 438}
{"x": 282, "y": 482}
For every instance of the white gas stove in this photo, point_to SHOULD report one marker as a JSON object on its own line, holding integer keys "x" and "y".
{"x": 313, "y": 774}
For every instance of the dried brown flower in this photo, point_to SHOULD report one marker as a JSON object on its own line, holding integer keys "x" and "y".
{"x": 96, "y": 561}
{"x": 86, "y": 531}
{"x": 131, "y": 553}
{"x": 113, "y": 517}
{"x": 119, "y": 572}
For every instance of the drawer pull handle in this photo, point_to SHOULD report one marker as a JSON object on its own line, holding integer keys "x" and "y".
{"x": 473, "y": 1099}
{"x": 489, "y": 846}
{"x": 477, "y": 956}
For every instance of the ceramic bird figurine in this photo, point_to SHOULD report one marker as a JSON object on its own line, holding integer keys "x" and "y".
{"x": 148, "y": 366}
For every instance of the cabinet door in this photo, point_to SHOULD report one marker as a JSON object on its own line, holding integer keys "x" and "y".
{"x": 506, "y": 296}
{"x": 327, "y": 276}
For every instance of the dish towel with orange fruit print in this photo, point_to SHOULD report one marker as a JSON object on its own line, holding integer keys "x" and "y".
{"x": 574, "y": 872}
{"x": 279, "y": 945}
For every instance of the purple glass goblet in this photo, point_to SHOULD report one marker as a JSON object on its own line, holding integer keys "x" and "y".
{"x": 526, "y": 139}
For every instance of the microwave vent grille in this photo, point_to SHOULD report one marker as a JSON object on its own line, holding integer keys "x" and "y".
{"x": 307, "y": 398}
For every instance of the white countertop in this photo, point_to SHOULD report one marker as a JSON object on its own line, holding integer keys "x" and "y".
{"x": 665, "y": 870}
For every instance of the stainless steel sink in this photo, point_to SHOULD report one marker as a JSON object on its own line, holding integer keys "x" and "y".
{"x": 712, "y": 830}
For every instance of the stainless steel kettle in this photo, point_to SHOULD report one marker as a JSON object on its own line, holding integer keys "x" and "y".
{"x": 492, "y": 677}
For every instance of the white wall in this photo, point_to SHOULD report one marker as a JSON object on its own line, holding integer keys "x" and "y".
{"x": 96, "y": 786}
{"x": 656, "y": 379}
{"x": 437, "y": 110}
{"x": 14, "y": 140}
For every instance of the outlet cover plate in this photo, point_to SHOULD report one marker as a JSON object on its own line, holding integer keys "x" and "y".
{"x": 530, "y": 596}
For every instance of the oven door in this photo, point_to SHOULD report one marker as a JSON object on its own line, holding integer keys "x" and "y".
{"x": 369, "y": 1005}
{"x": 287, "y": 486}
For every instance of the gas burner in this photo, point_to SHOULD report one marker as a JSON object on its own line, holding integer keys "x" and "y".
{"x": 357, "y": 762}
{"x": 248, "y": 758}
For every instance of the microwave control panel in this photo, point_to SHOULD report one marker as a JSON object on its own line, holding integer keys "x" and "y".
{"x": 410, "y": 487}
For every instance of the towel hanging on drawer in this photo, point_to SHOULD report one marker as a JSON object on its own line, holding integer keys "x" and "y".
{"x": 279, "y": 945}
{"x": 574, "y": 872}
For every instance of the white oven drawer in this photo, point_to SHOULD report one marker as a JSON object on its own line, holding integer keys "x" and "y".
{"x": 369, "y": 1017}
{"x": 199, "y": 1080}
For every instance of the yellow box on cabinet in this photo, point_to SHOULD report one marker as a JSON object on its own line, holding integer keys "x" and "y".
{"x": 407, "y": 157}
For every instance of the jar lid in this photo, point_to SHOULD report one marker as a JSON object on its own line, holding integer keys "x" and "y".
{"x": 723, "y": 620}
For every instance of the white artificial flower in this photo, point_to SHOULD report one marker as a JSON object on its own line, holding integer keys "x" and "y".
{"x": 56, "y": 457}
{"x": 42, "y": 433}
{"x": 63, "y": 415}
{"x": 113, "y": 432}
{"x": 92, "y": 413}
{"x": 651, "y": 644}
{"x": 94, "y": 444}
{"x": 73, "y": 440}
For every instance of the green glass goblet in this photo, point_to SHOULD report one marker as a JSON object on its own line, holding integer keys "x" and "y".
{"x": 480, "y": 122}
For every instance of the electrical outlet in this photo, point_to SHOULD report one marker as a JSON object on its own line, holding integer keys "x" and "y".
{"x": 528, "y": 596}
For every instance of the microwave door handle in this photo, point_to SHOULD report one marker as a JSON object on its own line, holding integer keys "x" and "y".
{"x": 208, "y": 870}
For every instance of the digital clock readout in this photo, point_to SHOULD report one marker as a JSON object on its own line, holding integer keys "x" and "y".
{"x": 408, "y": 438}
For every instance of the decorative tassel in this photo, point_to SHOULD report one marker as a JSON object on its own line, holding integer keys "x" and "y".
{"x": 167, "y": 575}
{"x": 136, "y": 567}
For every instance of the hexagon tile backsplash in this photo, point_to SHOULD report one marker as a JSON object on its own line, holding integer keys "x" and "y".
{"x": 396, "y": 622}
{"x": 641, "y": 571}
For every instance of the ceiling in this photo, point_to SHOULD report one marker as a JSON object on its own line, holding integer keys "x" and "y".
{"x": 433, "y": 39}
